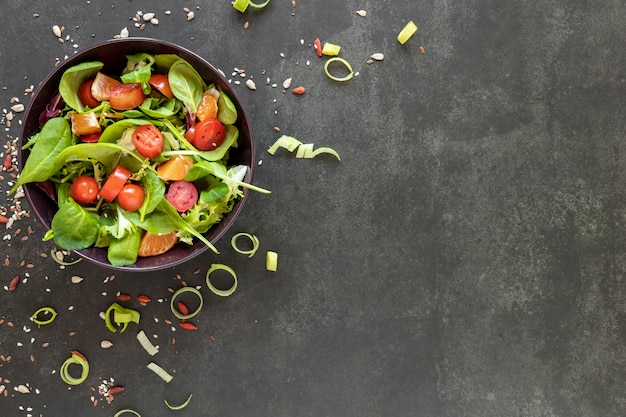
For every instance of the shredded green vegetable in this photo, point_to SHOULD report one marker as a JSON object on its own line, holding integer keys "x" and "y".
{"x": 406, "y": 32}
{"x": 222, "y": 293}
{"x": 191, "y": 314}
{"x": 63, "y": 263}
{"x": 76, "y": 359}
{"x": 271, "y": 261}
{"x": 165, "y": 376}
{"x": 181, "y": 406}
{"x": 253, "y": 239}
{"x": 44, "y": 311}
{"x": 121, "y": 317}
{"x": 305, "y": 150}
{"x": 126, "y": 410}
{"x": 341, "y": 61}
{"x": 146, "y": 344}
{"x": 242, "y": 5}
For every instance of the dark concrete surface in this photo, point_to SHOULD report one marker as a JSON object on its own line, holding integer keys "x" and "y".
{"x": 465, "y": 258}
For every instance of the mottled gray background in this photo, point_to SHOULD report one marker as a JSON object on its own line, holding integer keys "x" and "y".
{"x": 465, "y": 258}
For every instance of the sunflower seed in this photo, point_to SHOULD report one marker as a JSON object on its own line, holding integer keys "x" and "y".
{"x": 250, "y": 84}
{"x": 287, "y": 83}
{"x": 105, "y": 344}
{"x": 76, "y": 279}
{"x": 378, "y": 56}
{"x": 148, "y": 17}
{"x": 56, "y": 30}
{"x": 361, "y": 13}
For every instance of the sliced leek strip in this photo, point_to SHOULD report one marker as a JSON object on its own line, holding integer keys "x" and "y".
{"x": 177, "y": 312}
{"x": 406, "y": 32}
{"x": 341, "y": 61}
{"x": 147, "y": 344}
{"x": 77, "y": 358}
{"x": 216, "y": 291}
{"x": 44, "y": 311}
{"x": 249, "y": 252}
{"x": 179, "y": 407}
{"x": 165, "y": 376}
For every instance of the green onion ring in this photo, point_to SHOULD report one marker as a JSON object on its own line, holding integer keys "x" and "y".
{"x": 179, "y": 407}
{"x": 253, "y": 239}
{"x": 177, "y": 313}
{"x": 242, "y": 5}
{"x": 42, "y": 310}
{"x": 342, "y": 61}
{"x": 63, "y": 263}
{"x": 78, "y": 359}
{"x": 121, "y": 316}
{"x": 126, "y": 410}
{"x": 216, "y": 291}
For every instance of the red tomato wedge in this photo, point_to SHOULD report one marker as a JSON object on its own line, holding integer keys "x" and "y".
{"x": 161, "y": 83}
{"x": 84, "y": 189}
{"x": 85, "y": 95}
{"x": 114, "y": 183}
{"x": 93, "y": 138}
{"x": 208, "y": 134}
{"x": 126, "y": 96}
{"x": 102, "y": 85}
{"x": 182, "y": 195}
{"x": 131, "y": 197}
{"x": 148, "y": 140}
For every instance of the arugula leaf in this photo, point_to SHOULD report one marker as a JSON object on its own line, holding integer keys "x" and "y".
{"x": 73, "y": 227}
{"x": 186, "y": 83}
{"x": 72, "y": 79}
{"x": 54, "y": 136}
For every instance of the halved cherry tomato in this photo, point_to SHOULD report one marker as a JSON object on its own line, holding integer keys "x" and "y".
{"x": 182, "y": 195}
{"x": 102, "y": 85}
{"x": 131, "y": 197}
{"x": 84, "y": 93}
{"x": 208, "y": 134}
{"x": 114, "y": 183}
{"x": 189, "y": 133}
{"x": 93, "y": 138}
{"x": 84, "y": 189}
{"x": 161, "y": 83}
{"x": 148, "y": 140}
{"x": 126, "y": 96}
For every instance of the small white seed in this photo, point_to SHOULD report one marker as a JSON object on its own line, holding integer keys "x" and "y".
{"x": 105, "y": 344}
{"x": 155, "y": 21}
{"x": 190, "y": 15}
{"x": 17, "y": 108}
{"x": 250, "y": 84}
{"x": 378, "y": 56}
{"x": 361, "y": 13}
{"x": 23, "y": 389}
{"x": 76, "y": 279}
{"x": 287, "y": 83}
{"x": 57, "y": 31}
{"x": 148, "y": 17}
{"x": 124, "y": 33}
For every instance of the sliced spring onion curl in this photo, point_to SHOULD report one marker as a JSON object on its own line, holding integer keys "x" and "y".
{"x": 330, "y": 49}
{"x": 175, "y": 310}
{"x": 60, "y": 262}
{"x": 181, "y": 406}
{"x": 77, "y": 358}
{"x": 121, "y": 317}
{"x": 305, "y": 150}
{"x": 406, "y": 32}
{"x": 253, "y": 239}
{"x": 126, "y": 411}
{"x": 48, "y": 311}
{"x": 345, "y": 64}
{"x": 165, "y": 376}
{"x": 242, "y": 5}
{"x": 146, "y": 344}
{"x": 271, "y": 261}
{"x": 217, "y": 291}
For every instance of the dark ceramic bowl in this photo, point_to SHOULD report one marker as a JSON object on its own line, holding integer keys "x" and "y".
{"x": 113, "y": 54}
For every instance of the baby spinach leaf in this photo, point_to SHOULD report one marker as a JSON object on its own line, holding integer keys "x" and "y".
{"x": 232, "y": 134}
{"x": 155, "y": 190}
{"x": 140, "y": 76}
{"x": 186, "y": 83}
{"x": 72, "y": 79}
{"x": 108, "y": 154}
{"x": 115, "y": 131}
{"x": 163, "y": 62}
{"x": 41, "y": 164}
{"x": 73, "y": 227}
{"x": 215, "y": 192}
{"x": 226, "y": 110}
{"x": 151, "y": 108}
{"x": 124, "y": 251}
{"x": 157, "y": 222}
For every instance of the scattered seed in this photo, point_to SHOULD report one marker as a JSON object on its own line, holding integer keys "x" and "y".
{"x": 148, "y": 16}
{"x": 32, "y": 358}
{"x": 287, "y": 83}
{"x": 422, "y": 50}
{"x": 17, "y": 108}
{"x": 370, "y": 61}
{"x": 143, "y": 299}
{"x": 57, "y": 31}
{"x": 246, "y": 25}
{"x": 23, "y": 389}
{"x": 105, "y": 344}
{"x": 361, "y": 13}
{"x": 190, "y": 16}
{"x": 251, "y": 85}
{"x": 377, "y": 56}
{"x": 13, "y": 283}
{"x": 293, "y": 3}
{"x": 76, "y": 279}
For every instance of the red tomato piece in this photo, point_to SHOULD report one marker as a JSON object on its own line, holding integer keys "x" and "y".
{"x": 84, "y": 189}
{"x": 182, "y": 195}
{"x": 131, "y": 197}
{"x": 148, "y": 141}
{"x": 93, "y": 138}
{"x": 162, "y": 84}
{"x": 114, "y": 183}
{"x": 208, "y": 134}
{"x": 126, "y": 96}
{"x": 84, "y": 93}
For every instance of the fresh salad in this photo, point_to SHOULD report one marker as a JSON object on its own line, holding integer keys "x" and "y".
{"x": 136, "y": 161}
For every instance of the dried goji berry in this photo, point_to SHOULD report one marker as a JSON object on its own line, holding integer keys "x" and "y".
{"x": 143, "y": 299}
{"x": 116, "y": 390}
{"x": 188, "y": 326}
{"x": 318, "y": 46}
{"x": 123, "y": 298}
{"x": 7, "y": 162}
{"x": 14, "y": 282}
{"x": 184, "y": 310}
{"x": 4, "y": 219}
{"x": 298, "y": 90}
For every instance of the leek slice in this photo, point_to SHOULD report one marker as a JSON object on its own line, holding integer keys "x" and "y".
{"x": 44, "y": 310}
{"x": 242, "y": 5}
{"x": 216, "y": 291}
{"x": 146, "y": 344}
{"x": 271, "y": 261}
{"x": 341, "y": 61}
{"x": 179, "y": 407}
{"x": 330, "y": 49}
{"x": 165, "y": 376}
{"x": 76, "y": 359}
{"x": 253, "y": 239}
{"x": 126, "y": 410}
{"x": 175, "y": 310}
{"x": 305, "y": 150}
{"x": 288, "y": 142}
{"x": 63, "y": 263}
{"x": 406, "y": 32}
{"x": 121, "y": 317}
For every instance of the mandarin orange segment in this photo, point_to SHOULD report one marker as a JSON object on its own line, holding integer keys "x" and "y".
{"x": 207, "y": 107}
{"x": 176, "y": 168}
{"x": 102, "y": 85}
{"x": 152, "y": 245}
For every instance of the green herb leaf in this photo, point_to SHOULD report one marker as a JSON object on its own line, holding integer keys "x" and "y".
{"x": 186, "y": 83}
{"x": 72, "y": 79}
{"x": 226, "y": 110}
{"x": 73, "y": 227}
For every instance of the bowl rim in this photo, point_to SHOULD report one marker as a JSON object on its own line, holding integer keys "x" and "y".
{"x": 219, "y": 78}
